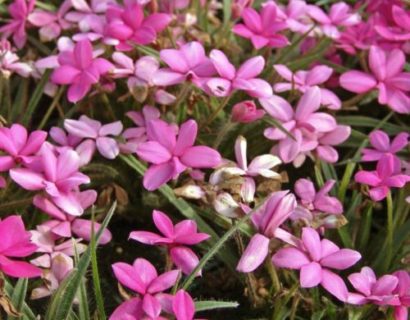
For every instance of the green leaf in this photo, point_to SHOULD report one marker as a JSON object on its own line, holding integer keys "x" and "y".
{"x": 63, "y": 298}
{"x": 18, "y": 296}
{"x": 227, "y": 10}
{"x": 148, "y": 51}
{"x": 28, "y": 314}
{"x": 211, "y": 305}
{"x": 367, "y": 122}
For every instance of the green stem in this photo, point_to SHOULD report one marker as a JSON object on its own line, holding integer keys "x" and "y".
{"x": 217, "y": 110}
{"x": 51, "y": 108}
{"x": 222, "y": 133}
{"x": 273, "y": 276}
{"x": 184, "y": 92}
{"x": 390, "y": 231}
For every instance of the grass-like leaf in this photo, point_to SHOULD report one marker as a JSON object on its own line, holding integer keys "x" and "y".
{"x": 212, "y": 305}
{"x": 18, "y": 296}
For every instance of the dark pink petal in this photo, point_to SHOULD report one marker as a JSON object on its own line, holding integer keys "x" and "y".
{"x": 291, "y": 258}
{"x": 18, "y": 269}
{"x": 378, "y": 193}
{"x": 367, "y": 177}
{"x": 378, "y": 62}
{"x": 310, "y": 275}
{"x": 318, "y": 75}
{"x": 151, "y": 306}
{"x": 341, "y": 260}
{"x": 252, "y": 19}
{"x": 158, "y": 21}
{"x": 163, "y": 223}
{"x": 157, "y": 175}
{"x": 327, "y": 154}
{"x": 334, "y": 284}
{"x": 162, "y": 132}
{"x": 83, "y": 53}
{"x": 311, "y": 241}
{"x": 385, "y": 285}
{"x": 363, "y": 281}
{"x": 380, "y": 140}
{"x": 6, "y": 163}
{"x": 185, "y": 259}
{"x": 357, "y": 81}
{"x": 186, "y": 136}
{"x": 309, "y": 103}
{"x": 34, "y": 142}
{"x": 278, "y": 108}
{"x": 222, "y": 64}
{"x": 183, "y": 306}
{"x": 242, "y": 30}
{"x": 27, "y": 179}
{"x": 328, "y": 247}
{"x": 83, "y": 229}
{"x": 336, "y": 136}
{"x": 399, "y": 142}
{"x": 145, "y": 237}
{"x": 128, "y": 310}
{"x": 305, "y": 190}
{"x": 79, "y": 89}
{"x": 163, "y": 282}
{"x": 254, "y": 254}
{"x": 127, "y": 276}
{"x": 65, "y": 74}
{"x": 201, "y": 157}
{"x": 251, "y": 68}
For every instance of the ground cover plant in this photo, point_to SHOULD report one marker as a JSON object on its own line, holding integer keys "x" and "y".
{"x": 204, "y": 159}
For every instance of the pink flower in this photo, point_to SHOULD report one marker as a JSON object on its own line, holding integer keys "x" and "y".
{"x": 387, "y": 77}
{"x": 127, "y": 25}
{"x": 400, "y": 31}
{"x": 262, "y": 28}
{"x": 171, "y": 155}
{"x": 296, "y": 16}
{"x": 65, "y": 225}
{"x": 403, "y": 294}
{"x": 304, "y": 80}
{"x": 242, "y": 79}
{"x": 371, "y": 289}
{"x": 176, "y": 238}
{"x": 380, "y": 142}
{"x": 189, "y": 62}
{"x": 9, "y": 62}
{"x": 79, "y": 70}
{"x": 246, "y": 112}
{"x": 19, "y": 10}
{"x": 358, "y": 37}
{"x": 305, "y": 124}
{"x": 340, "y": 15}
{"x": 267, "y": 219}
{"x": 142, "y": 278}
{"x": 51, "y": 23}
{"x": 315, "y": 258}
{"x": 102, "y": 135}
{"x": 20, "y": 146}
{"x": 58, "y": 177}
{"x": 387, "y": 175}
{"x": 183, "y": 306}
{"x": 327, "y": 141}
{"x": 15, "y": 243}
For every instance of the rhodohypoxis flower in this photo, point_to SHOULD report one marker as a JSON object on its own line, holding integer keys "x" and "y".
{"x": 242, "y": 79}
{"x": 171, "y": 155}
{"x": 260, "y": 166}
{"x": 65, "y": 225}
{"x": 183, "y": 306}
{"x": 142, "y": 278}
{"x": 387, "y": 175}
{"x": 9, "y": 62}
{"x": 80, "y": 70}
{"x": 102, "y": 135}
{"x": 20, "y": 146}
{"x": 387, "y": 78}
{"x": 340, "y": 15}
{"x": 59, "y": 177}
{"x": 262, "y": 28}
{"x": 403, "y": 294}
{"x": 302, "y": 80}
{"x": 127, "y": 25}
{"x": 51, "y": 23}
{"x": 315, "y": 258}
{"x": 176, "y": 238}
{"x": 189, "y": 62}
{"x": 381, "y": 144}
{"x": 267, "y": 219}
{"x": 246, "y": 112}
{"x": 327, "y": 141}
{"x": 400, "y": 31}
{"x": 295, "y": 15}
{"x": 19, "y": 10}
{"x": 371, "y": 289}
{"x": 305, "y": 124}
{"x": 15, "y": 243}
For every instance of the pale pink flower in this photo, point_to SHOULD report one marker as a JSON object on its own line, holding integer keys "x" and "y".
{"x": 387, "y": 78}
{"x": 103, "y": 136}
{"x": 171, "y": 155}
{"x": 176, "y": 238}
{"x": 80, "y": 70}
{"x": 245, "y": 78}
{"x": 262, "y": 28}
{"x": 387, "y": 175}
{"x": 303, "y": 80}
{"x": 10, "y": 62}
{"x": 246, "y": 112}
{"x": 15, "y": 243}
{"x": 381, "y": 144}
{"x": 327, "y": 141}
{"x": 315, "y": 258}
{"x": 19, "y": 11}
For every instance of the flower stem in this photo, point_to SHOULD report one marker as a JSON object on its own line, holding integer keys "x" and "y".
{"x": 51, "y": 108}
{"x": 390, "y": 231}
{"x": 217, "y": 110}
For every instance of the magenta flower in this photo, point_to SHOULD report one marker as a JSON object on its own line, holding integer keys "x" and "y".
{"x": 189, "y": 62}
{"x": 102, "y": 135}
{"x": 176, "y": 238}
{"x": 9, "y": 62}
{"x": 381, "y": 144}
{"x": 303, "y": 80}
{"x": 403, "y": 294}
{"x": 340, "y": 15}
{"x": 387, "y": 78}
{"x": 371, "y": 289}
{"x": 20, "y": 146}
{"x": 142, "y": 278}
{"x": 50, "y": 23}
{"x": 171, "y": 155}
{"x": 127, "y": 25}
{"x": 246, "y": 112}
{"x": 79, "y": 70}
{"x": 387, "y": 175}
{"x": 305, "y": 124}
{"x": 59, "y": 177}
{"x": 15, "y": 243}
{"x": 400, "y": 30}
{"x": 19, "y": 11}
{"x": 242, "y": 79}
{"x": 262, "y": 28}
{"x": 358, "y": 37}
{"x": 315, "y": 258}
{"x": 267, "y": 219}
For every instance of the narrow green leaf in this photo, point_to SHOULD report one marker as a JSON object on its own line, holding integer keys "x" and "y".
{"x": 367, "y": 122}
{"x": 279, "y": 126}
{"x": 63, "y": 298}
{"x": 148, "y": 51}
{"x": 227, "y": 10}
{"x": 211, "y": 305}
{"x": 28, "y": 314}
{"x": 19, "y": 295}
